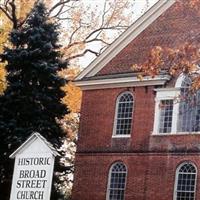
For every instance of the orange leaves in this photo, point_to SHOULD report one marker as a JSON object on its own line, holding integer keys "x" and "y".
{"x": 194, "y": 4}
{"x": 91, "y": 27}
{"x": 183, "y": 59}
{"x": 72, "y": 98}
{"x": 73, "y": 95}
{"x": 24, "y": 7}
{"x": 196, "y": 83}
{"x": 3, "y": 82}
{"x": 154, "y": 63}
{"x": 4, "y": 30}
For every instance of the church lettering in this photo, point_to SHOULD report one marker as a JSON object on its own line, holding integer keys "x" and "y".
{"x": 36, "y": 195}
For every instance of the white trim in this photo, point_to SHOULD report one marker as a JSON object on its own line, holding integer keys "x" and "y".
{"x": 130, "y": 34}
{"x": 176, "y": 178}
{"x": 175, "y": 115}
{"x": 30, "y": 140}
{"x": 122, "y": 82}
{"x": 166, "y": 94}
{"x": 166, "y": 89}
{"x": 180, "y": 80}
{"x": 121, "y": 136}
{"x": 175, "y": 134}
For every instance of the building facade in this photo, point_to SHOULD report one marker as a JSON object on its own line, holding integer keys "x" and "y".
{"x": 136, "y": 140}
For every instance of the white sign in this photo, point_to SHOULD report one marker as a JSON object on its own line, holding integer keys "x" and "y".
{"x": 34, "y": 162}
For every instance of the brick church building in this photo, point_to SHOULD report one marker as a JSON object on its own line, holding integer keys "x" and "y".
{"x": 129, "y": 147}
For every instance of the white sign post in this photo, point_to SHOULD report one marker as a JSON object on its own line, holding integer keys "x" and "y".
{"x": 33, "y": 170}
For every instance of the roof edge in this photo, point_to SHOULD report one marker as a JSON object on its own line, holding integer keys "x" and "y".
{"x": 122, "y": 82}
{"x": 33, "y": 137}
{"x": 124, "y": 39}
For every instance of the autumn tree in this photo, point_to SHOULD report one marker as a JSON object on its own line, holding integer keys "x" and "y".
{"x": 90, "y": 27}
{"x": 31, "y": 101}
{"x": 184, "y": 58}
{"x": 6, "y": 16}
{"x": 5, "y": 27}
{"x": 86, "y": 24}
{"x": 86, "y": 29}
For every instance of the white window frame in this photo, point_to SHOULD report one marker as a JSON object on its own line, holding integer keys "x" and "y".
{"x": 169, "y": 94}
{"x": 109, "y": 179}
{"x": 176, "y": 178}
{"x": 166, "y": 94}
{"x": 114, "y": 135}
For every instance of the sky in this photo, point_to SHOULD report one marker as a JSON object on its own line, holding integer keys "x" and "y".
{"x": 139, "y": 9}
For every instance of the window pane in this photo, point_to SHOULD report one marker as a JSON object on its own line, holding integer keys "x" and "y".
{"x": 124, "y": 114}
{"x": 189, "y": 109}
{"x": 186, "y": 180}
{"x": 117, "y": 182}
{"x": 166, "y": 110}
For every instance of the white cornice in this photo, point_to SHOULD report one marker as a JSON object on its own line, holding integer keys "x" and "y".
{"x": 166, "y": 89}
{"x": 130, "y": 34}
{"x": 121, "y": 82}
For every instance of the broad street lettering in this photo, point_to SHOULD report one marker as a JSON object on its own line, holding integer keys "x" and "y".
{"x": 31, "y": 183}
{"x": 32, "y": 173}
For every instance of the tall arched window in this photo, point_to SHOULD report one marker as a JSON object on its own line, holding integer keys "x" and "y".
{"x": 117, "y": 182}
{"x": 123, "y": 115}
{"x": 189, "y": 108}
{"x": 185, "y": 185}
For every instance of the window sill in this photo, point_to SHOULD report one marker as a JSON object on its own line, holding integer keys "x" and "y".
{"x": 121, "y": 136}
{"x": 175, "y": 134}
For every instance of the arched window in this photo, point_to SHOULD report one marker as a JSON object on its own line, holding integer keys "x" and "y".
{"x": 123, "y": 115}
{"x": 117, "y": 182}
{"x": 189, "y": 108}
{"x": 185, "y": 185}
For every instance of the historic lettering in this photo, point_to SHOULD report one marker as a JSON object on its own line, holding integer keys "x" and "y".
{"x": 34, "y": 161}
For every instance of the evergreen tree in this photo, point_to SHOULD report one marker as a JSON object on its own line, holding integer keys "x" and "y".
{"x": 32, "y": 100}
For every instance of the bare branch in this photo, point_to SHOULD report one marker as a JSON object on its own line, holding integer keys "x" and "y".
{"x": 13, "y": 13}
{"x": 83, "y": 53}
{"x": 59, "y": 10}
{"x": 6, "y": 13}
{"x": 61, "y": 4}
{"x": 97, "y": 40}
{"x": 106, "y": 28}
{"x": 73, "y": 33}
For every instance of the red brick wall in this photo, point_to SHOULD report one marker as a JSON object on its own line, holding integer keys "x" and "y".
{"x": 150, "y": 176}
{"x": 151, "y": 160}
{"x": 97, "y": 120}
{"x": 178, "y": 25}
